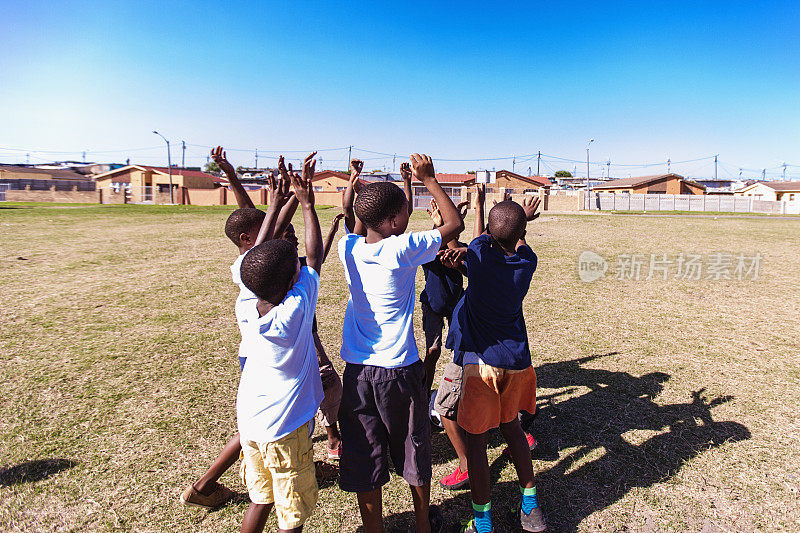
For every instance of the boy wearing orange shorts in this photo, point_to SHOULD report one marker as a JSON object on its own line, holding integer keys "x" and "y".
{"x": 489, "y": 340}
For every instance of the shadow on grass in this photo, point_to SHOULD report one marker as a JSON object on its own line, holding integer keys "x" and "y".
{"x": 31, "y": 471}
{"x": 594, "y": 425}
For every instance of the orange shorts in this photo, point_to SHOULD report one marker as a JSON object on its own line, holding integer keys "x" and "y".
{"x": 492, "y": 396}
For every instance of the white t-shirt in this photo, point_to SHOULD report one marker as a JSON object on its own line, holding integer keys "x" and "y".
{"x": 245, "y": 306}
{"x": 379, "y": 321}
{"x": 280, "y": 389}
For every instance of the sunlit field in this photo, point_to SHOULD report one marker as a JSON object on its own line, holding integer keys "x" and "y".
{"x": 664, "y": 404}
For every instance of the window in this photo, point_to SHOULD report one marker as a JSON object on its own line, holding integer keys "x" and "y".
{"x": 317, "y": 188}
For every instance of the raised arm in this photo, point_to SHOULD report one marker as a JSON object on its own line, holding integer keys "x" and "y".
{"x": 304, "y": 191}
{"x": 405, "y": 173}
{"x": 531, "y": 207}
{"x": 478, "y": 201}
{"x": 331, "y": 235}
{"x": 287, "y": 212}
{"x": 242, "y": 198}
{"x": 452, "y": 224}
{"x": 278, "y": 196}
{"x": 351, "y": 222}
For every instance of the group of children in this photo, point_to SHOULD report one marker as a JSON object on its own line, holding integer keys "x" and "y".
{"x": 380, "y": 404}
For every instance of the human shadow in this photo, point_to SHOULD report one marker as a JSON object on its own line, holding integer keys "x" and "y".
{"x": 595, "y": 446}
{"x": 32, "y": 471}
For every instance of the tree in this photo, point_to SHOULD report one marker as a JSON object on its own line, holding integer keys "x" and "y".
{"x": 212, "y": 168}
{"x": 563, "y": 174}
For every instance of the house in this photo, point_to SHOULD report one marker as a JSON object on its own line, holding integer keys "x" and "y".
{"x": 772, "y": 190}
{"x": 720, "y": 186}
{"x": 19, "y": 177}
{"x": 136, "y": 176}
{"x": 656, "y": 184}
{"x": 511, "y": 180}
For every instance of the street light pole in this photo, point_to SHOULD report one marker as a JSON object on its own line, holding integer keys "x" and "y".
{"x": 587, "y": 170}
{"x": 169, "y": 167}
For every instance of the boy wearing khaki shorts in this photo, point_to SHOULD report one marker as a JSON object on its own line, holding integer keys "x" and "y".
{"x": 281, "y": 390}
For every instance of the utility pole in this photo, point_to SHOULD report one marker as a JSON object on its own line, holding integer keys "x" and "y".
{"x": 183, "y": 154}
{"x": 608, "y": 164}
{"x": 538, "y": 161}
{"x": 513, "y": 164}
{"x": 27, "y": 159}
{"x": 669, "y": 164}
{"x": 763, "y": 174}
{"x": 529, "y": 172}
{"x": 169, "y": 168}
{"x": 84, "y": 157}
{"x": 587, "y": 168}
{"x": 349, "y": 155}
{"x": 256, "y": 159}
{"x": 784, "y": 171}
{"x": 394, "y": 160}
{"x": 715, "y": 167}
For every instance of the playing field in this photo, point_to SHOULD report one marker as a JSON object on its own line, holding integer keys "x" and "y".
{"x": 665, "y": 405}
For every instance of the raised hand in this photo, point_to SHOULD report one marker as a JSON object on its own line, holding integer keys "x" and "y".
{"x": 303, "y": 188}
{"x": 463, "y": 208}
{"x": 356, "y": 166}
{"x": 422, "y": 167}
{"x": 338, "y": 218}
{"x": 219, "y": 157}
{"x": 405, "y": 171}
{"x": 479, "y": 197}
{"x": 278, "y": 190}
{"x": 531, "y": 206}
{"x": 435, "y": 214}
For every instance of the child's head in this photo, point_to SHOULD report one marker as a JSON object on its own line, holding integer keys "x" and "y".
{"x": 382, "y": 207}
{"x": 243, "y": 225}
{"x": 289, "y": 236}
{"x": 270, "y": 269}
{"x": 507, "y": 224}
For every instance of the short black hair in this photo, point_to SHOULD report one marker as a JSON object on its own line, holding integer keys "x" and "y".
{"x": 241, "y": 221}
{"x": 507, "y": 223}
{"x": 378, "y": 201}
{"x": 268, "y": 268}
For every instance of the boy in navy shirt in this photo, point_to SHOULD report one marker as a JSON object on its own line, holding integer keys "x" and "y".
{"x": 489, "y": 340}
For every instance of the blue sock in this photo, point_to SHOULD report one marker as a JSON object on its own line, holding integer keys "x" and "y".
{"x": 483, "y": 517}
{"x": 529, "y": 501}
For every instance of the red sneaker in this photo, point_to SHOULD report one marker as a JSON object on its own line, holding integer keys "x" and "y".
{"x": 531, "y": 444}
{"x": 456, "y": 481}
{"x": 335, "y": 455}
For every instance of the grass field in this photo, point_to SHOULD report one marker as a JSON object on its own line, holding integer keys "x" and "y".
{"x": 664, "y": 405}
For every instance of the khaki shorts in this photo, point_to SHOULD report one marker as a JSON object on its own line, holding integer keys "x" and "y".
{"x": 449, "y": 392}
{"x": 282, "y": 472}
{"x": 492, "y": 396}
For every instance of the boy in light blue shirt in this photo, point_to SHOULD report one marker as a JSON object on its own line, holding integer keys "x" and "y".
{"x": 384, "y": 408}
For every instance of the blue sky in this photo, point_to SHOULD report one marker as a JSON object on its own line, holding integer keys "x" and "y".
{"x": 460, "y": 80}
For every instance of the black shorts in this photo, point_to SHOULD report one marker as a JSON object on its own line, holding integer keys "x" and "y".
{"x": 433, "y": 326}
{"x": 384, "y": 414}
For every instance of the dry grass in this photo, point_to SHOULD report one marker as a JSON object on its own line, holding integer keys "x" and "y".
{"x": 664, "y": 405}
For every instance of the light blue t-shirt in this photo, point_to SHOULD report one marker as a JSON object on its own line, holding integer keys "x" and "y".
{"x": 280, "y": 389}
{"x": 379, "y": 320}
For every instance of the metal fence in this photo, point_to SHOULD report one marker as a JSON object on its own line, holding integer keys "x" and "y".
{"x": 687, "y": 202}
{"x": 3, "y": 188}
{"x": 422, "y": 198}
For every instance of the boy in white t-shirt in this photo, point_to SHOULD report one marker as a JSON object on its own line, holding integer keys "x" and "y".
{"x": 281, "y": 390}
{"x": 245, "y": 227}
{"x": 384, "y": 407}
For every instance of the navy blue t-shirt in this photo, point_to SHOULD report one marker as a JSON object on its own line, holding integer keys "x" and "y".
{"x": 488, "y": 320}
{"x": 443, "y": 287}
